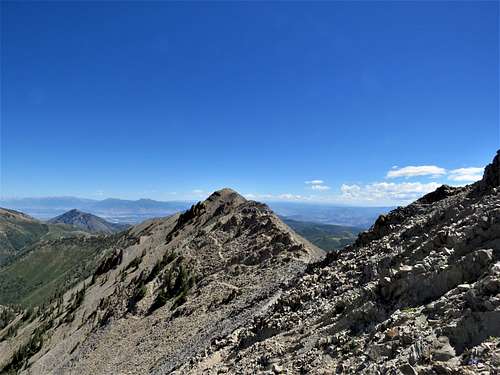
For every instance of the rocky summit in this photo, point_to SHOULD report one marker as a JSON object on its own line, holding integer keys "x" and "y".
{"x": 227, "y": 288}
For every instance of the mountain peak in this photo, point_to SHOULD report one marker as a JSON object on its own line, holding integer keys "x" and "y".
{"x": 87, "y": 222}
{"x": 226, "y": 196}
{"x": 75, "y": 211}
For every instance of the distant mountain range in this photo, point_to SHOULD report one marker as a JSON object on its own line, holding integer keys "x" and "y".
{"x": 88, "y": 222}
{"x": 111, "y": 209}
{"x": 136, "y": 211}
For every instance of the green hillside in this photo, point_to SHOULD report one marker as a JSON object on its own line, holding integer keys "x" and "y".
{"x": 50, "y": 266}
{"x": 326, "y": 236}
{"x": 19, "y": 231}
{"x": 38, "y": 259}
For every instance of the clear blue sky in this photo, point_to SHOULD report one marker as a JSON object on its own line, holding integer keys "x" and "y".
{"x": 173, "y": 100}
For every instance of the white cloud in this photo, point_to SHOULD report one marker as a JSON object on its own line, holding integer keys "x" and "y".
{"x": 317, "y": 185}
{"x": 290, "y": 197}
{"x": 412, "y": 171}
{"x": 378, "y": 193}
{"x": 198, "y": 191}
{"x": 350, "y": 190}
{"x": 320, "y": 187}
{"x": 256, "y": 196}
{"x": 387, "y": 191}
{"x": 374, "y": 194}
{"x": 470, "y": 174}
{"x": 277, "y": 197}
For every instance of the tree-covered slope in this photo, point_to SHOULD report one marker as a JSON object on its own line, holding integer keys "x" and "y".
{"x": 326, "y": 236}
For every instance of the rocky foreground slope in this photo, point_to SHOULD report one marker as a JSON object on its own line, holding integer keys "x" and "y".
{"x": 227, "y": 288}
{"x": 418, "y": 293}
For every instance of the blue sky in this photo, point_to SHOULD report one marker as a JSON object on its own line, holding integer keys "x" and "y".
{"x": 173, "y": 100}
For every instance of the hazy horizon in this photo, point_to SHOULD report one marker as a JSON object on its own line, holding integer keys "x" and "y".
{"x": 101, "y": 199}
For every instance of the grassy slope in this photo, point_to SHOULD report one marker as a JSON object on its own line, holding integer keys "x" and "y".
{"x": 17, "y": 232}
{"x": 38, "y": 259}
{"x": 48, "y": 267}
{"x": 326, "y": 236}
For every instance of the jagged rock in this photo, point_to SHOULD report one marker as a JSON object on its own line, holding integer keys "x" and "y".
{"x": 443, "y": 351}
{"x": 407, "y": 369}
{"x": 491, "y": 177}
{"x": 277, "y": 369}
{"x": 440, "y": 193}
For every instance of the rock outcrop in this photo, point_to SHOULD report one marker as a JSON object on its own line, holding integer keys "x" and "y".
{"x": 491, "y": 178}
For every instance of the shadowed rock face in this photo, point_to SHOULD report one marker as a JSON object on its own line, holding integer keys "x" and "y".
{"x": 226, "y": 287}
